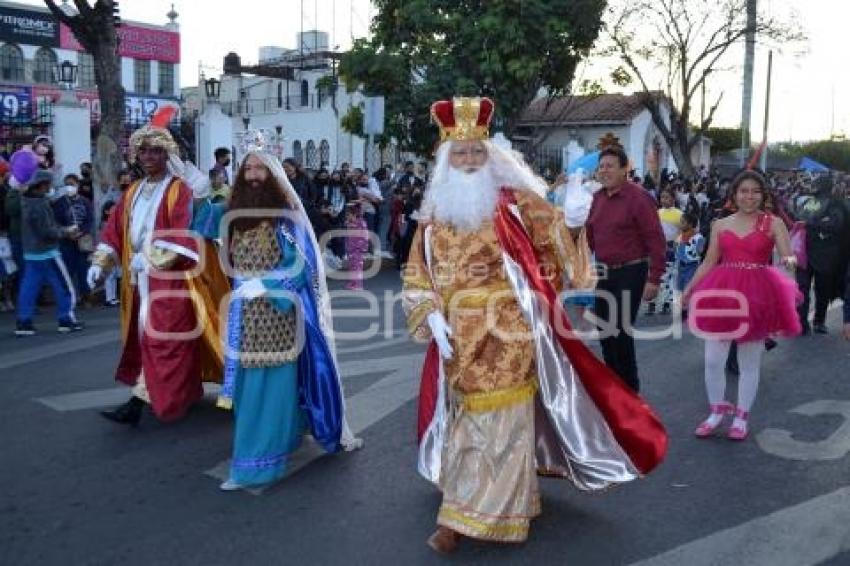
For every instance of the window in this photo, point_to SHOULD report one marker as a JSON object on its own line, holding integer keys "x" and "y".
{"x": 166, "y": 78}
{"x": 297, "y": 153}
{"x": 311, "y": 155}
{"x": 45, "y": 66}
{"x": 305, "y": 93}
{"x": 85, "y": 73}
{"x": 142, "y": 70}
{"x": 324, "y": 153}
{"x": 280, "y": 95}
{"x": 11, "y": 63}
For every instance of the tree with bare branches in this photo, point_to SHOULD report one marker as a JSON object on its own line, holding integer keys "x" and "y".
{"x": 681, "y": 43}
{"x": 94, "y": 26}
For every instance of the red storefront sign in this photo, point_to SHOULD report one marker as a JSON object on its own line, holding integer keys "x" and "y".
{"x": 137, "y": 42}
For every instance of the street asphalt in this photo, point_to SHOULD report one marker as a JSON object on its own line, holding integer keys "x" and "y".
{"x": 76, "y": 489}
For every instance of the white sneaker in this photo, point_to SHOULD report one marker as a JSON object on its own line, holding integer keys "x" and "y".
{"x": 230, "y": 485}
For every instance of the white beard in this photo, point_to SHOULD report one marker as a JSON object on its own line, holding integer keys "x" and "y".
{"x": 464, "y": 200}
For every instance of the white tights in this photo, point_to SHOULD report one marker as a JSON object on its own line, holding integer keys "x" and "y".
{"x": 749, "y": 364}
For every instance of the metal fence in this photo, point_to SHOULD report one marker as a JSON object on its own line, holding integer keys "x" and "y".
{"x": 275, "y": 104}
{"x": 545, "y": 158}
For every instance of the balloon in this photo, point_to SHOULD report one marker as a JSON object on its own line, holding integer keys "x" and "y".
{"x": 589, "y": 163}
{"x": 23, "y": 164}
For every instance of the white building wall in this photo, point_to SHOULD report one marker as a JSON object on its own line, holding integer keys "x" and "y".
{"x": 177, "y": 85}
{"x": 154, "y": 78}
{"x": 299, "y": 123}
{"x": 639, "y": 140}
{"x": 127, "y": 74}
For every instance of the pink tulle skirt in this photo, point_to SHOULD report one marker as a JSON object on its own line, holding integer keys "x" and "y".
{"x": 745, "y": 304}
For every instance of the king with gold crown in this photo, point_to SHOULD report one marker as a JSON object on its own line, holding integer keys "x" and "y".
{"x": 507, "y": 392}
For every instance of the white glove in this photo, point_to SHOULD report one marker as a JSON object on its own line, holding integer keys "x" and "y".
{"x": 138, "y": 263}
{"x": 191, "y": 175}
{"x": 250, "y": 289}
{"x": 94, "y": 275}
{"x": 176, "y": 166}
{"x": 441, "y": 331}
{"x": 197, "y": 181}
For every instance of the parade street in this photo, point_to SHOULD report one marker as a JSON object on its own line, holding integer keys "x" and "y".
{"x": 77, "y": 489}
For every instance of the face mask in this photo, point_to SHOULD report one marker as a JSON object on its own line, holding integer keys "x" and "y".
{"x": 71, "y": 190}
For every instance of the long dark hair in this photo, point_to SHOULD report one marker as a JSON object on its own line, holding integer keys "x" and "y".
{"x": 268, "y": 196}
{"x": 748, "y": 175}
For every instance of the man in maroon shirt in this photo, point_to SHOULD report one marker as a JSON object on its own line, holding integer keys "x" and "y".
{"x": 625, "y": 233}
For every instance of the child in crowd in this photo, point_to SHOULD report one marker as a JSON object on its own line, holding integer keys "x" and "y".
{"x": 690, "y": 245}
{"x": 356, "y": 244}
{"x": 110, "y": 285}
{"x": 670, "y": 217}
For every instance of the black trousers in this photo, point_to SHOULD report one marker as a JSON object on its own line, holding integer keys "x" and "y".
{"x": 624, "y": 288}
{"x": 823, "y": 281}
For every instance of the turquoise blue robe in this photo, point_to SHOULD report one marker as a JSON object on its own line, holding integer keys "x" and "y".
{"x": 275, "y": 406}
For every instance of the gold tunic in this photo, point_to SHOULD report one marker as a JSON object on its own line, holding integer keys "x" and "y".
{"x": 268, "y": 334}
{"x": 466, "y": 282}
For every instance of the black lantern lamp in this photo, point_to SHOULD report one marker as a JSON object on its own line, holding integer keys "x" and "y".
{"x": 213, "y": 88}
{"x": 67, "y": 72}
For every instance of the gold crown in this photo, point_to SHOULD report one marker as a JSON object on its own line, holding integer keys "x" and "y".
{"x": 463, "y": 118}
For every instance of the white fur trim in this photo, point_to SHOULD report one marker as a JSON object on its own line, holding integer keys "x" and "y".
{"x": 178, "y": 249}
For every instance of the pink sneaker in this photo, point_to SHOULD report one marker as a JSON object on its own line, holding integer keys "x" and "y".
{"x": 708, "y": 426}
{"x": 739, "y": 431}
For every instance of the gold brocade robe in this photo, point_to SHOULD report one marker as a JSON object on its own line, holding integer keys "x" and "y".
{"x": 465, "y": 280}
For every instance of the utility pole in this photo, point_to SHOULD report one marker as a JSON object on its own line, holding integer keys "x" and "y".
{"x": 766, "y": 111}
{"x": 749, "y": 58}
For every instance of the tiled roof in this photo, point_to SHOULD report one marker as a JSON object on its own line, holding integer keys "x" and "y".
{"x": 600, "y": 109}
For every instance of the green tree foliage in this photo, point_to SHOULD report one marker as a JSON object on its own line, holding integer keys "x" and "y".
{"x": 724, "y": 139}
{"x": 835, "y": 154}
{"x": 352, "y": 122}
{"x": 425, "y": 50}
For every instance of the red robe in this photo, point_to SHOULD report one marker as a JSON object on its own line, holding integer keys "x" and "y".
{"x": 171, "y": 366}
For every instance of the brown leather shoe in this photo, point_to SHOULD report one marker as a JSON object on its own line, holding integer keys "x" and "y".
{"x": 444, "y": 540}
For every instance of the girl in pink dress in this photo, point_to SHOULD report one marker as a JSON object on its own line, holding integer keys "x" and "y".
{"x": 737, "y": 295}
{"x": 356, "y": 244}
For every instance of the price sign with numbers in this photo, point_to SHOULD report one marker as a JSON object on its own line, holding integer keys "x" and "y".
{"x": 140, "y": 109}
{"x": 15, "y": 103}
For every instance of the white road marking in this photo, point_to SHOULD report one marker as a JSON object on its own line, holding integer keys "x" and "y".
{"x": 97, "y": 398}
{"x": 38, "y": 353}
{"x": 366, "y": 408}
{"x": 781, "y": 443}
{"x": 806, "y": 534}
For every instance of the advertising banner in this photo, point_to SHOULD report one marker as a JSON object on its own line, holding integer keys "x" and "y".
{"x": 141, "y": 108}
{"x": 28, "y": 27}
{"x": 15, "y": 103}
{"x": 137, "y": 42}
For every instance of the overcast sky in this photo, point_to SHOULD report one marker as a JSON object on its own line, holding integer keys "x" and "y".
{"x": 803, "y": 87}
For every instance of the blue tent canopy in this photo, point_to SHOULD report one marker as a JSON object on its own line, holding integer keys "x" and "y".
{"x": 812, "y": 165}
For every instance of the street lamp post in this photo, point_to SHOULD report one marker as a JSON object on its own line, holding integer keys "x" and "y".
{"x": 213, "y": 89}
{"x": 66, "y": 72}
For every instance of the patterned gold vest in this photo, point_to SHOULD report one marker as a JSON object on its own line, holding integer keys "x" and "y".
{"x": 268, "y": 335}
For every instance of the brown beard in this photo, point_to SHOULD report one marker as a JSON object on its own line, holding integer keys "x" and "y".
{"x": 267, "y": 196}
